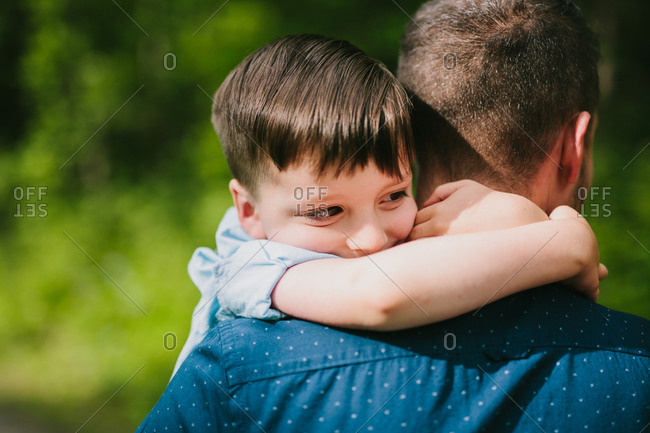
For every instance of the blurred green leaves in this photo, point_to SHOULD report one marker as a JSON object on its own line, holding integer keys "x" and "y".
{"x": 105, "y": 110}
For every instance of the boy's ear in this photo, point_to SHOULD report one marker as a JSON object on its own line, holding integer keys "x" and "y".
{"x": 246, "y": 211}
{"x": 573, "y": 147}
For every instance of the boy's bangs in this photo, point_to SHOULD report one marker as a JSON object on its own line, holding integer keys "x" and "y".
{"x": 385, "y": 144}
{"x": 368, "y": 123}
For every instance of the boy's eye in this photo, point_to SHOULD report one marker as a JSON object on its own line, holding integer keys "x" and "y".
{"x": 395, "y": 196}
{"x": 323, "y": 213}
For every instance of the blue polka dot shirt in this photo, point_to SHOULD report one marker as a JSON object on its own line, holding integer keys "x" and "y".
{"x": 543, "y": 360}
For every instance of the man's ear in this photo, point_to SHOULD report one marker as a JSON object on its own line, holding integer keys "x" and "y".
{"x": 573, "y": 147}
{"x": 246, "y": 211}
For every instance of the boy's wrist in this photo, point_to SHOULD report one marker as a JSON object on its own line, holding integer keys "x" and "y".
{"x": 582, "y": 246}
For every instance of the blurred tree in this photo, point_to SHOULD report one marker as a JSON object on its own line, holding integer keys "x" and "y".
{"x": 107, "y": 106}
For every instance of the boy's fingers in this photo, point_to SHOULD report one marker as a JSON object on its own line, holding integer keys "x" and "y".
{"x": 443, "y": 191}
{"x": 424, "y": 215}
{"x": 602, "y": 271}
{"x": 421, "y": 216}
{"x": 419, "y": 231}
{"x": 415, "y": 234}
{"x": 426, "y": 229}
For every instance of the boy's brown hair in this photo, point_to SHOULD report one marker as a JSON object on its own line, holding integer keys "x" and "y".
{"x": 311, "y": 98}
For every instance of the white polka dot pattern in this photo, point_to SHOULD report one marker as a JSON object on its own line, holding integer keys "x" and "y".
{"x": 543, "y": 360}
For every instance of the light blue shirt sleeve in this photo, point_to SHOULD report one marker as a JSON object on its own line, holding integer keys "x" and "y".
{"x": 239, "y": 279}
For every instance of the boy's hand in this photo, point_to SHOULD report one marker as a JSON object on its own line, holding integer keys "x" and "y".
{"x": 587, "y": 281}
{"x": 467, "y": 206}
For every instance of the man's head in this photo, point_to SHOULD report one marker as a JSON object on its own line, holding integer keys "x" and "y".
{"x": 508, "y": 91}
{"x": 318, "y": 138}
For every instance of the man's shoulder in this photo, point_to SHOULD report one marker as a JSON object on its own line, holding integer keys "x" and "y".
{"x": 539, "y": 320}
{"x": 567, "y": 362}
{"x": 552, "y": 316}
{"x": 250, "y": 349}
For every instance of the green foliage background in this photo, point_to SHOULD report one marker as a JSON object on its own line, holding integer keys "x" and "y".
{"x": 94, "y": 292}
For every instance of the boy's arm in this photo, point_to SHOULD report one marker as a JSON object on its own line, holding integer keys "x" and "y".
{"x": 433, "y": 279}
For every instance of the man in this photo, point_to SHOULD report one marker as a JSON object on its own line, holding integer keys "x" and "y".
{"x": 543, "y": 360}
{"x": 511, "y": 91}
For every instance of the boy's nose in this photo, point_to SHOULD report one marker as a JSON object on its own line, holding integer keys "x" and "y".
{"x": 370, "y": 238}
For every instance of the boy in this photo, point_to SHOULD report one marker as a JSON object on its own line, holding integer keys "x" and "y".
{"x": 318, "y": 138}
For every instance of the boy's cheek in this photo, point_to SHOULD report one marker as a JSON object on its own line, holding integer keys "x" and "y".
{"x": 403, "y": 228}
{"x": 317, "y": 239}
{"x": 411, "y": 214}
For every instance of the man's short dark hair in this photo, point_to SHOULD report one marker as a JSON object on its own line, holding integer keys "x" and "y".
{"x": 497, "y": 80}
{"x": 308, "y": 98}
